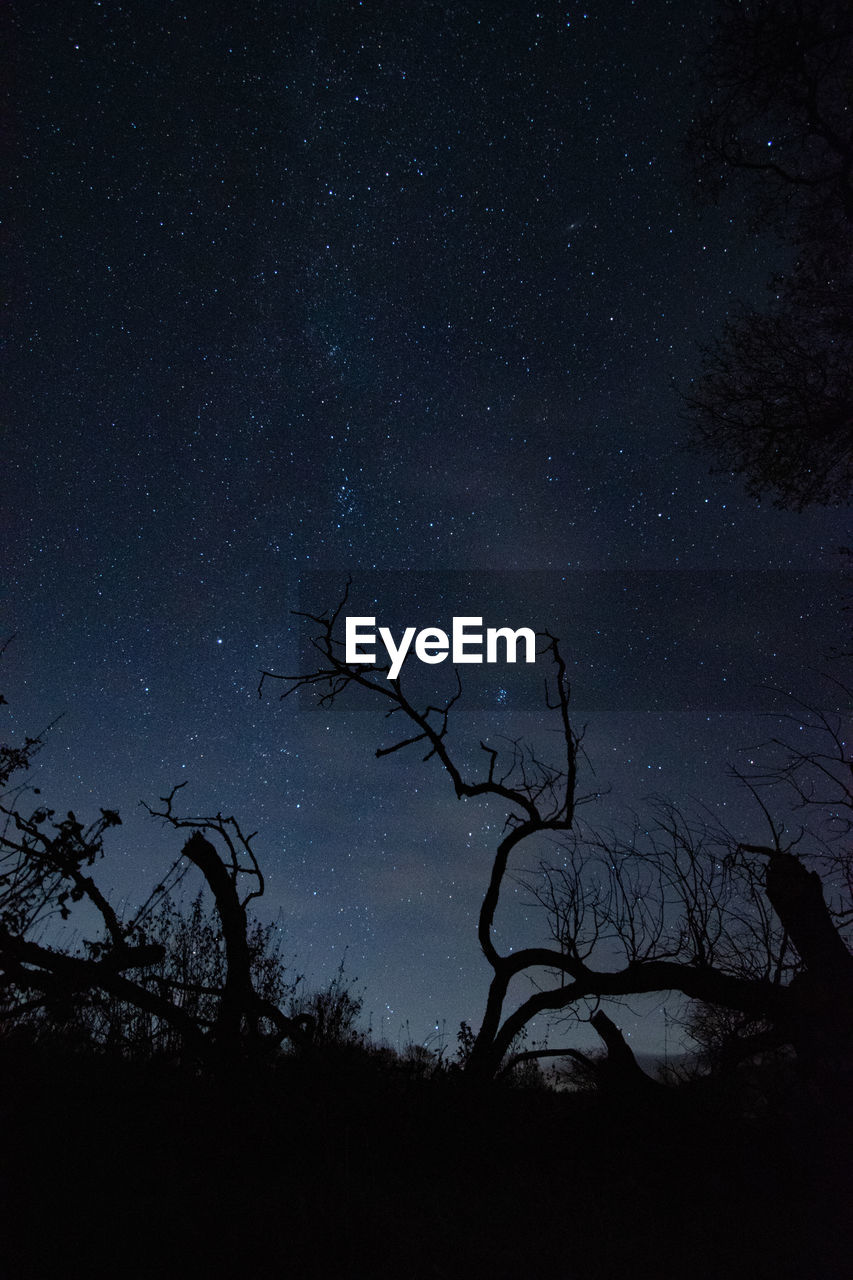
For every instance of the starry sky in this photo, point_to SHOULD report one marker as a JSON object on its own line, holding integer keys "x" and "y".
{"x": 397, "y": 291}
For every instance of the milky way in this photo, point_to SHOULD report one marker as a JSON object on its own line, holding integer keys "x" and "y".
{"x": 372, "y": 288}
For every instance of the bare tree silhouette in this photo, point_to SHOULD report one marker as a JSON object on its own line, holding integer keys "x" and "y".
{"x": 675, "y": 906}
{"x": 45, "y": 871}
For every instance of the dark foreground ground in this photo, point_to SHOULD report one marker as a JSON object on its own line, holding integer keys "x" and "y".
{"x": 339, "y": 1169}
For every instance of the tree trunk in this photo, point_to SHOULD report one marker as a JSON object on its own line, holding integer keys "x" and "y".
{"x": 620, "y": 1072}
{"x": 821, "y": 1004}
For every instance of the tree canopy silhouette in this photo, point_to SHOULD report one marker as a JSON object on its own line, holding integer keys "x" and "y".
{"x": 774, "y": 402}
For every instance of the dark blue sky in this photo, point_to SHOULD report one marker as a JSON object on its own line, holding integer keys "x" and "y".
{"x": 370, "y": 286}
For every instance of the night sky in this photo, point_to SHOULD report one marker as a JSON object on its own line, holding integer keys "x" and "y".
{"x": 398, "y": 291}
